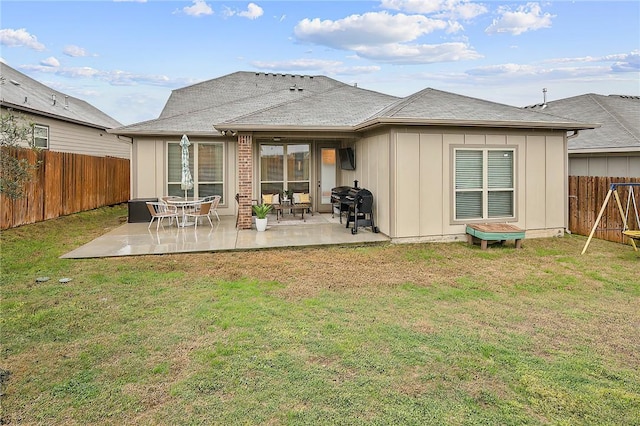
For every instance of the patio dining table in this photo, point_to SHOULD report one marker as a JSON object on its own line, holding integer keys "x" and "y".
{"x": 184, "y": 203}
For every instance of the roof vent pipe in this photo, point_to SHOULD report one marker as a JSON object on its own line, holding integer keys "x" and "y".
{"x": 53, "y": 99}
{"x": 544, "y": 96}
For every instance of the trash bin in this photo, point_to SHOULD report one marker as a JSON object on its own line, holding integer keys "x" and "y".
{"x": 138, "y": 211}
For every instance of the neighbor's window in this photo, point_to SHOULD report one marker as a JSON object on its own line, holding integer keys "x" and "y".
{"x": 484, "y": 184}
{"x": 206, "y": 162}
{"x": 40, "y": 136}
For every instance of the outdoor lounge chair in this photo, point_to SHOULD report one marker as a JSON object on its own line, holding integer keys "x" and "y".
{"x": 269, "y": 198}
{"x": 159, "y": 211}
{"x": 201, "y": 210}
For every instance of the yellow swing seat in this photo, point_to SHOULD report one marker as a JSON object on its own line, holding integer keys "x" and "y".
{"x": 632, "y": 234}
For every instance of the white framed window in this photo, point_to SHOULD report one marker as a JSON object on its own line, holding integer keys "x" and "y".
{"x": 484, "y": 183}
{"x": 206, "y": 162}
{"x": 41, "y": 136}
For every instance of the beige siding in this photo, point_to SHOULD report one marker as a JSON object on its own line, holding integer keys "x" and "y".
{"x": 421, "y": 178}
{"x": 71, "y": 137}
{"x": 620, "y": 165}
{"x": 520, "y": 142}
{"x": 144, "y": 169}
{"x": 534, "y": 184}
{"x": 372, "y": 173}
{"x": 556, "y": 183}
{"x": 432, "y": 186}
{"x": 408, "y": 176}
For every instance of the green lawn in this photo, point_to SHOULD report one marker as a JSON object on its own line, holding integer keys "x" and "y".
{"x": 422, "y": 334}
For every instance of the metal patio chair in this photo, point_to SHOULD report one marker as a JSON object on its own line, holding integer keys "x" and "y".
{"x": 201, "y": 210}
{"x": 159, "y": 211}
{"x": 215, "y": 200}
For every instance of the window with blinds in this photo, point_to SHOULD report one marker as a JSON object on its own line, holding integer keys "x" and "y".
{"x": 41, "y": 136}
{"x": 206, "y": 162}
{"x": 484, "y": 183}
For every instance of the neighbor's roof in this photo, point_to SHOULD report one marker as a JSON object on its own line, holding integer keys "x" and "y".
{"x": 618, "y": 115}
{"x": 25, "y": 94}
{"x": 249, "y": 101}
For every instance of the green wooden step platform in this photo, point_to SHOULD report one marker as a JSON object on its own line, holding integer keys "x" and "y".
{"x": 494, "y": 232}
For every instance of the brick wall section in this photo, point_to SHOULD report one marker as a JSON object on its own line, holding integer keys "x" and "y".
{"x": 245, "y": 179}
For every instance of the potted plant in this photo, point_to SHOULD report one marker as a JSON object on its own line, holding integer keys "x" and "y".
{"x": 261, "y": 211}
{"x": 287, "y": 194}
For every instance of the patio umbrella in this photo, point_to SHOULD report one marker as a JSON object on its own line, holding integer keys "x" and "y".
{"x": 187, "y": 180}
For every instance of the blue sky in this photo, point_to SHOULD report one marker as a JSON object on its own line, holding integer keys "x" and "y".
{"x": 125, "y": 57}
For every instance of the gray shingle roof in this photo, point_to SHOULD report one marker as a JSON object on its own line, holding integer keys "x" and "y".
{"x": 618, "y": 115}
{"x": 445, "y": 106}
{"x": 341, "y": 106}
{"x": 26, "y": 94}
{"x": 252, "y": 101}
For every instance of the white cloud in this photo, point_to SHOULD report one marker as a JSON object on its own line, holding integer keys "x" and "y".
{"x": 504, "y": 69}
{"x": 630, "y": 62}
{"x": 199, "y": 8}
{"x": 73, "y": 72}
{"x": 418, "y": 53}
{"x": 627, "y": 60}
{"x": 74, "y": 51}
{"x": 525, "y": 18}
{"x": 20, "y": 38}
{"x": 114, "y": 78}
{"x": 619, "y": 62}
{"x": 296, "y": 64}
{"x": 316, "y": 65}
{"x": 357, "y": 70}
{"x": 467, "y": 10}
{"x": 50, "y": 62}
{"x": 452, "y": 9}
{"x": 253, "y": 11}
{"x": 517, "y": 72}
{"x": 373, "y": 28}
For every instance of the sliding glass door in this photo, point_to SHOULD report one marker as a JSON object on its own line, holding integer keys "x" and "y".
{"x": 285, "y": 167}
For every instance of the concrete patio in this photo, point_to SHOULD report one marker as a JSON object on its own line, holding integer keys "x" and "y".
{"x": 135, "y": 239}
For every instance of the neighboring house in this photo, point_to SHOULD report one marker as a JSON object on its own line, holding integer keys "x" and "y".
{"x": 611, "y": 150}
{"x": 61, "y": 122}
{"x": 434, "y": 161}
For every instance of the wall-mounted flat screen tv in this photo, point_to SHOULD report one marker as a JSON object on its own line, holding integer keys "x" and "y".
{"x": 347, "y": 159}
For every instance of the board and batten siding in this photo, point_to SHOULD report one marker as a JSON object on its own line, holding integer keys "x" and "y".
{"x": 613, "y": 165}
{"x": 65, "y": 136}
{"x": 372, "y": 172}
{"x": 420, "y": 178}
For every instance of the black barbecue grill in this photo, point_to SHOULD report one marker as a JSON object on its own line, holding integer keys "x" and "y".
{"x": 357, "y": 203}
{"x": 339, "y": 194}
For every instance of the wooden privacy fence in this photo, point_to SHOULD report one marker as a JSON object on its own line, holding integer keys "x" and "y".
{"x": 586, "y": 196}
{"x": 65, "y": 183}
